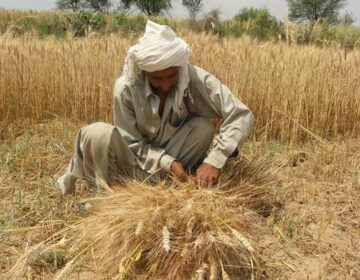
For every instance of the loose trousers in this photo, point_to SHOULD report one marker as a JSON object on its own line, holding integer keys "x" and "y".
{"x": 102, "y": 153}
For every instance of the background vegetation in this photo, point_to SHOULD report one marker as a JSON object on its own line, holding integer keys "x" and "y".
{"x": 257, "y": 23}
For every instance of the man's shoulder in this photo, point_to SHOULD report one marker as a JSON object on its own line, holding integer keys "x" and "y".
{"x": 196, "y": 72}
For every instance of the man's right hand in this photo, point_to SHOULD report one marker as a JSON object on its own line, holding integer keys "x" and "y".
{"x": 177, "y": 169}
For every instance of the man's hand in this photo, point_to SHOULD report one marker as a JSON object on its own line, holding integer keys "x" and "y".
{"x": 207, "y": 175}
{"x": 177, "y": 169}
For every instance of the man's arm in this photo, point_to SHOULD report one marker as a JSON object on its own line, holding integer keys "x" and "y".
{"x": 218, "y": 101}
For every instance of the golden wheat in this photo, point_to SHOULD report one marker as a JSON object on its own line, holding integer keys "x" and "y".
{"x": 295, "y": 92}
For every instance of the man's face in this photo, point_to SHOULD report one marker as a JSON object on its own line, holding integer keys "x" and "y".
{"x": 164, "y": 81}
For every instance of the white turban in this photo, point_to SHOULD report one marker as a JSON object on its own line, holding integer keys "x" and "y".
{"x": 158, "y": 49}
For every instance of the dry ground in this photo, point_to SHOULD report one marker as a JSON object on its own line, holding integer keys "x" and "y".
{"x": 313, "y": 234}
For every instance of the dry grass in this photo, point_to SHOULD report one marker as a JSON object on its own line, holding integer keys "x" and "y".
{"x": 296, "y": 93}
{"x": 320, "y": 220}
{"x": 314, "y": 234}
{"x": 180, "y": 231}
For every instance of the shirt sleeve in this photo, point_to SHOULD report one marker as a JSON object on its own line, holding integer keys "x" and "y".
{"x": 218, "y": 101}
{"x": 151, "y": 159}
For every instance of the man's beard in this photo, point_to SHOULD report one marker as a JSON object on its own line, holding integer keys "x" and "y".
{"x": 161, "y": 91}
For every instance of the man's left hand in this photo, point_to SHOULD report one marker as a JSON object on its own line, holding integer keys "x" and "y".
{"x": 207, "y": 175}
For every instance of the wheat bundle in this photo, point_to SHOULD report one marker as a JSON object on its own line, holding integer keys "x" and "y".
{"x": 179, "y": 231}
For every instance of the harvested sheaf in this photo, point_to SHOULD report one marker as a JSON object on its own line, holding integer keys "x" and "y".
{"x": 179, "y": 231}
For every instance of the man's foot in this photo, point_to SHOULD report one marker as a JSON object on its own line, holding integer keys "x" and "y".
{"x": 66, "y": 183}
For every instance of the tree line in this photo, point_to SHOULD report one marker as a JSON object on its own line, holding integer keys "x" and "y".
{"x": 148, "y": 7}
{"x": 310, "y": 11}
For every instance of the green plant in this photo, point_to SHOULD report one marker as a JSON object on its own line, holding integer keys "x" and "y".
{"x": 52, "y": 25}
{"x": 259, "y": 23}
{"x": 83, "y": 21}
{"x": 129, "y": 24}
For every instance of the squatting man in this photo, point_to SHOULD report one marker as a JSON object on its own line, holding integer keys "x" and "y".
{"x": 161, "y": 107}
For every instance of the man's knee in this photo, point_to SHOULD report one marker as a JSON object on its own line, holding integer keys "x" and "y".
{"x": 202, "y": 128}
{"x": 96, "y": 129}
{"x": 96, "y": 134}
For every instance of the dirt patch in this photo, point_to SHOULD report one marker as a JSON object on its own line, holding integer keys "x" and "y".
{"x": 319, "y": 224}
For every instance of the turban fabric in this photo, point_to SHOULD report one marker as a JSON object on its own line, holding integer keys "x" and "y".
{"x": 158, "y": 49}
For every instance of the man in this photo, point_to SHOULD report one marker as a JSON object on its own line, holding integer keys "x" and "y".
{"x": 161, "y": 109}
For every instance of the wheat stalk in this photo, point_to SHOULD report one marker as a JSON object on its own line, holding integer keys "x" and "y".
{"x": 166, "y": 239}
{"x": 139, "y": 227}
{"x": 244, "y": 241}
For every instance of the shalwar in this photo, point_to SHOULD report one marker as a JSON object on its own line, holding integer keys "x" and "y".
{"x": 101, "y": 152}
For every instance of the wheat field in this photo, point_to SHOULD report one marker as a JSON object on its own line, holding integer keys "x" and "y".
{"x": 296, "y": 92}
{"x": 292, "y": 199}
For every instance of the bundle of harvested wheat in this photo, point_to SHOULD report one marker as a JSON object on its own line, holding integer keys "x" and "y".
{"x": 164, "y": 232}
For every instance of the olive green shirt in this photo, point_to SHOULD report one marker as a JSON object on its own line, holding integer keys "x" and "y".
{"x": 136, "y": 114}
